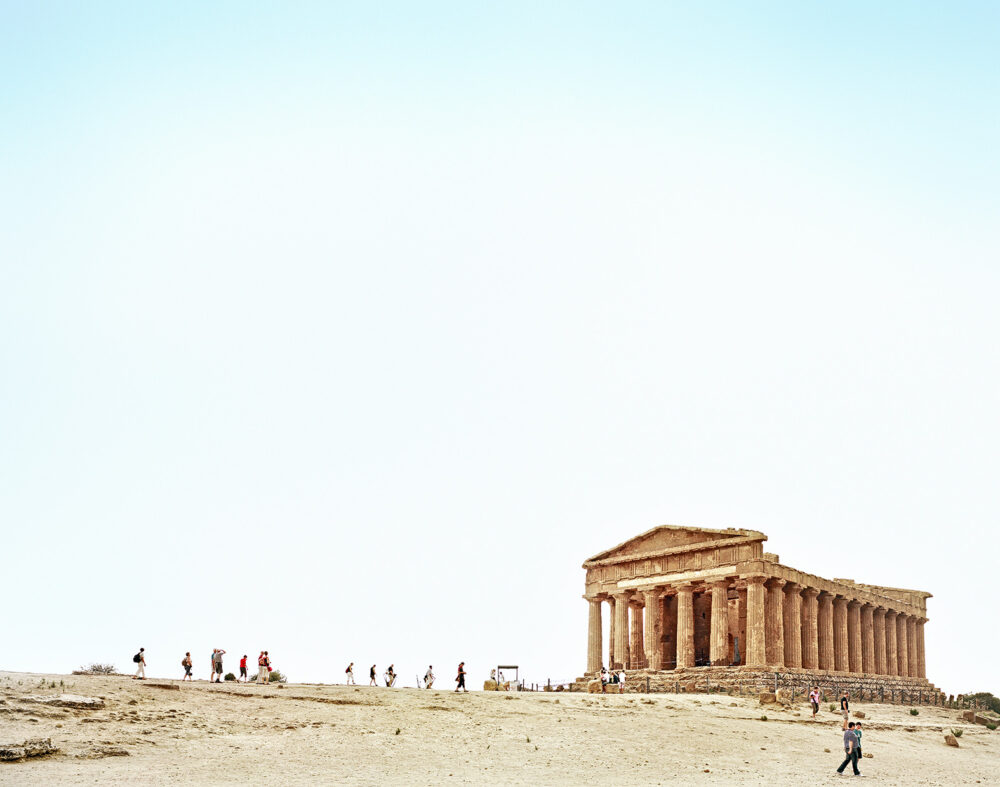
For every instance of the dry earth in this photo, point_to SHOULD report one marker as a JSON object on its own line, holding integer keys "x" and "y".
{"x": 305, "y": 734}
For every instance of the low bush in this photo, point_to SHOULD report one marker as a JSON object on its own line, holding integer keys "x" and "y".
{"x": 914, "y": 712}
{"x": 991, "y": 726}
{"x": 833, "y": 708}
{"x": 99, "y": 669}
{"x": 229, "y": 676}
{"x": 957, "y": 733}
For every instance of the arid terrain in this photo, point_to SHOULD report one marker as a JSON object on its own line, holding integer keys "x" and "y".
{"x": 308, "y": 734}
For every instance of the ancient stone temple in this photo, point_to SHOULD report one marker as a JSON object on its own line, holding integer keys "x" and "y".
{"x": 680, "y": 598}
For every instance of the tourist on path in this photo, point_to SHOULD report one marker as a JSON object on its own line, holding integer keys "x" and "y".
{"x": 217, "y": 661}
{"x": 857, "y": 732}
{"x": 605, "y": 677}
{"x": 188, "y": 664}
{"x": 350, "y": 675}
{"x": 845, "y": 709}
{"x": 140, "y": 660}
{"x": 267, "y": 667}
{"x": 429, "y": 677}
{"x": 850, "y": 750}
{"x": 390, "y": 676}
{"x": 814, "y": 700}
{"x": 243, "y": 668}
{"x": 371, "y": 675}
{"x": 621, "y": 681}
{"x": 460, "y": 679}
{"x": 262, "y": 668}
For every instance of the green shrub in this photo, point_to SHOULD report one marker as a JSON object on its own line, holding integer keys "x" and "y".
{"x": 991, "y": 726}
{"x": 763, "y": 718}
{"x": 229, "y": 676}
{"x": 957, "y": 733}
{"x": 833, "y": 709}
{"x": 914, "y": 712}
{"x": 99, "y": 669}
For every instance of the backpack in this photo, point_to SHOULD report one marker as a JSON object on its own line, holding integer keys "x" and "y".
{"x": 137, "y": 658}
{"x": 184, "y": 663}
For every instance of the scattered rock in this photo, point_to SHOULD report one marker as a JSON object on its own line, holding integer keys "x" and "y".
{"x": 859, "y": 714}
{"x": 867, "y": 755}
{"x": 167, "y": 686}
{"x": 767, "y": 698}
{"x": 97, "y": 752}
{"x": 826, "y": 750}
{"x": 33, "y": 747}
{"x": 783, "y": 696}
{"x": 594, "y": 687}
{"x": 951, "y": 740}
{"x": 68, "y": 701}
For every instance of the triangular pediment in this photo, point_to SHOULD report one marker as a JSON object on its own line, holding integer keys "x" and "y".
{"x": 668, "y": 538}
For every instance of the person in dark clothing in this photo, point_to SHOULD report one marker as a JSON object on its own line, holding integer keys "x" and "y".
{"x": 460, "y": 680}
{"x": 845, "y": 709}
{"x": 857, "y": 732}
{"x": 850, "y": 750}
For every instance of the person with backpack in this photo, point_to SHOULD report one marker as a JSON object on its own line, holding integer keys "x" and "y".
{"x": 390, "y": 676}
{"x": 140, "y": 659}
{"x": 350, "y": 675}
{"x": 429, "y": 677}
{"x": 187, "y": 664}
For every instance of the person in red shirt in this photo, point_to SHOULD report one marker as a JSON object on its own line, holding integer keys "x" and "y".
{"x": 243, "y": 667}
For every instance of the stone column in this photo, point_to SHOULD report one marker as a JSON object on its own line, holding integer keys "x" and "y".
{"x": 791, "y": 610}
{"x": 775, "y": 622}
{"x": 902, "y": 651}
{"x": 921, "y": 658}
{"x": 756, "y": 629}
{"x": 621, "y": 631}
{"x": 611, "y": 631}
{"x": 810, "y": 629}
{"x": 718, "y": 642}
{"x": 891, "y": 655}
{"x": 826, "y": 631}
{"x": 637, "y": 642}
{"x": 594, "y": 637}
{"x": 854, "y": 635}
{"x": 840, "y": 662}
{"x": 911, "y": 645}
{"x": 653, "y": 629}
{"x": 867, "y": 640}
{"x": 685, "y": 626}
{"x": 878, "y": 617}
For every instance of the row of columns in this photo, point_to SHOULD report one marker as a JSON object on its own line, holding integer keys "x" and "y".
{"x": 787, "y": 625}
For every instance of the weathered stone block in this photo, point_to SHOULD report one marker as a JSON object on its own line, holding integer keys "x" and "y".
{"x": 594, "y": 687}
{"x": 33, "y": 747}
{"x": 859, "y": 714}
{"x": 68, "y": 701}
{"x": 767, "y": 698}
{"x": 969, "y": 716}
{"x": 951, "y": 740}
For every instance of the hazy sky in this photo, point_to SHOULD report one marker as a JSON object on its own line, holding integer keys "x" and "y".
{"x": 350, "y": 332}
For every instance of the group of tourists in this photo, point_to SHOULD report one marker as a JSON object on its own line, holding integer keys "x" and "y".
{"x": 614, "y": 678}
{"x": 852, "y": 730}
{"x": 264, "y": 668}
{"x": 389, "y": 676}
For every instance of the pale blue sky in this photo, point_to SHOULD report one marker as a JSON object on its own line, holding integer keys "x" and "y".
{"x": 352, "y": 332}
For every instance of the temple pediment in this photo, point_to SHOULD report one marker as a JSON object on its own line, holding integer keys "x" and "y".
{"x": 667, "y": 539}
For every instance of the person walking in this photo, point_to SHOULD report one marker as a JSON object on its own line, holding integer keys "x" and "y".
{"x": 140, "y": 660}
{"x": 371, "y": 675}
{"x": 217, "y": 661}
{"x": 621, "y": 681}
{"x": 390, "y": 676}
{"x": 857, "y": 732}
{"x": 243, "y": 668}
{"x": 460, "y": 679}
{"x": 850, "y": 750}
{"x": 429, "y": 677}
{"x": 261, "y": 669}
{"x": 814, "y": 700}
{"x": 845, "y": 708}
{"x": 188, "y": 664}
{"x": 267, "y": 668}
{"x": 349, "y": 672}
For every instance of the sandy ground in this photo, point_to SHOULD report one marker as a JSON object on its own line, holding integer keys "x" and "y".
{"x": 205, "y": 734}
